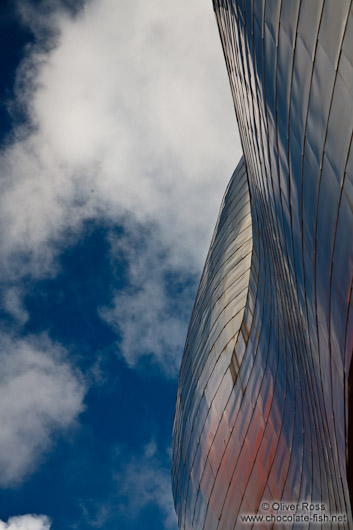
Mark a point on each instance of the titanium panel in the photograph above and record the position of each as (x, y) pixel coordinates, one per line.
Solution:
(262, 404)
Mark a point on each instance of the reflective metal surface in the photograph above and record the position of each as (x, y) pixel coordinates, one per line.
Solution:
(261, 411)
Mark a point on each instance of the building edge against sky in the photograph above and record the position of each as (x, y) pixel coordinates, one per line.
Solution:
(263, 402)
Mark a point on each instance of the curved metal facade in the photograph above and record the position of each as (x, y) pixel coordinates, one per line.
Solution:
(262, 411)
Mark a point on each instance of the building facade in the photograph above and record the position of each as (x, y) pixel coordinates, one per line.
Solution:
(263, 405)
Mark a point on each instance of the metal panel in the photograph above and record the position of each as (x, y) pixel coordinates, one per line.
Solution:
(261, 408)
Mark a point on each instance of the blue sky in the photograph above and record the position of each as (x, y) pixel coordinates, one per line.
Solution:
(117, 141)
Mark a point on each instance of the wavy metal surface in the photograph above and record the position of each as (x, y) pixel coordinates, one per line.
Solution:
(262, 401)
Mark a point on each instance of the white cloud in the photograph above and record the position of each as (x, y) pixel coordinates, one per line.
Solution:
(26, 522)
(150, 319)
(140, 480)
(143, 482)
(13, 304)
(40, 396)
(130, 118)
(129, 104)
